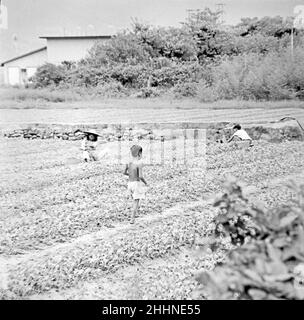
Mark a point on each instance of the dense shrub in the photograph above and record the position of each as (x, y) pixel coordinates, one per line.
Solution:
(176, 74)
(205, 92)
(86, 76)
(268, 26)
(268, 247)
(49, 74)
(149, 92)
(256, 43)
(202, 59)
(170, 43)
(111, 89)
(185, 89)
(134, 76)
(123, 48)
(273, 76)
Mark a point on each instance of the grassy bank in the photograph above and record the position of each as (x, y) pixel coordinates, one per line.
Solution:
(14, 98)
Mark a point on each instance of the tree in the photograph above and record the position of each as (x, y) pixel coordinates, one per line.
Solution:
(172, 43)
(49, 74)
(268, 26)
(211, 38)
(123, 48)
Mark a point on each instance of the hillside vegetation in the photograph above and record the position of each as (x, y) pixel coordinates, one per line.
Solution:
(202, 59)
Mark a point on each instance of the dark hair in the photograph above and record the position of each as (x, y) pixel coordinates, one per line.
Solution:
(92, 134)
(237, 127)
(136, 150)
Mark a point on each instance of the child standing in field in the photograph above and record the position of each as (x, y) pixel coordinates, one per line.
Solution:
(137, 184)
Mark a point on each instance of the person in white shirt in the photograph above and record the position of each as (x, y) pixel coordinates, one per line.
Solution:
(240, 135)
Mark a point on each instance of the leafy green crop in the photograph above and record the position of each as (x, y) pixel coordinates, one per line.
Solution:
(269, 244)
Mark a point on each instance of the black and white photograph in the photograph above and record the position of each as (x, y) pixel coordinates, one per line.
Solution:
(152, 150)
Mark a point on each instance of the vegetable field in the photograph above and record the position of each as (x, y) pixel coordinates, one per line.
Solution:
(136, 112)
(64, 225)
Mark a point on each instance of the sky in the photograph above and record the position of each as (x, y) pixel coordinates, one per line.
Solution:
(29, 19)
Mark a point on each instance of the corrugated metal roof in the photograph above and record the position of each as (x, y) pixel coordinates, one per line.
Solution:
(23, 55)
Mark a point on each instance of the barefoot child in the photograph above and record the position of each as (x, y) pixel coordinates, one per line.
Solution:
(137, 183)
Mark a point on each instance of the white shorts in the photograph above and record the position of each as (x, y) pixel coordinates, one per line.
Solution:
(137, 190)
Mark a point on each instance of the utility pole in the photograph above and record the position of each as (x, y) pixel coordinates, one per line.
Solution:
(291, 41)
(3, 16)
(220, 9)
(193, 13)
(298, 24)
(196, 14)
(15, 43)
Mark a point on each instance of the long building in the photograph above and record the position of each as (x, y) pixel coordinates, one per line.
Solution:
(18, 70)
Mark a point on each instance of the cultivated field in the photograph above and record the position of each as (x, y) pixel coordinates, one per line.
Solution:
(65, 229)
(14, 117)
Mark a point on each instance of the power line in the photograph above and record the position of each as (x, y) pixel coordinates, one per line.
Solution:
(193, 13)
(196, 13)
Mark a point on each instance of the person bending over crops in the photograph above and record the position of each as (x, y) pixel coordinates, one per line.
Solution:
(240, 135)
(89, 147)
(137, 184)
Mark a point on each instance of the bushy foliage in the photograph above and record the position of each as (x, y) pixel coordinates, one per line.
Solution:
(273, 76)
(171, 43)
(175, 74)
(86, 76)
(206, 92)
(111, 89)
(185, 89)
(49, 74)
(269, 245)
(149, 92)
(211, 40)
(203, 58)
(269, 26)
(256, 43)
(123, 48)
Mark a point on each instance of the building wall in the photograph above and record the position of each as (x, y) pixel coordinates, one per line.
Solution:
(32, 60)
(69, 49)
(18, 71)
(2, 69)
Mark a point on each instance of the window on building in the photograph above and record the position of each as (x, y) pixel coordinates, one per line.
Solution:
(23, 76)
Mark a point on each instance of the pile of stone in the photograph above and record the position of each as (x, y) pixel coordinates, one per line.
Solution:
(215, 133)
(106, 135)
(35, 133)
